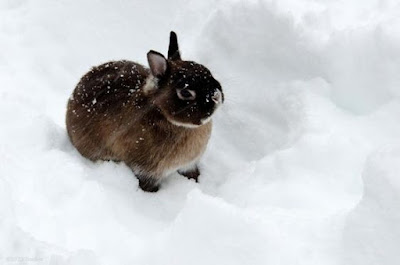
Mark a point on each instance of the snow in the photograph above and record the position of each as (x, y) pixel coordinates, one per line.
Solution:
(302, 166)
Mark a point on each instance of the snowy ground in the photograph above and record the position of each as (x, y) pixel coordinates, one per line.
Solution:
(303, 165)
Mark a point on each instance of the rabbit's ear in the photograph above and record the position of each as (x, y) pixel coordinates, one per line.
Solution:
(173, 50)
(157, 63)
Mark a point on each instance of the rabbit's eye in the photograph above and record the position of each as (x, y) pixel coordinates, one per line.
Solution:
(186, 94)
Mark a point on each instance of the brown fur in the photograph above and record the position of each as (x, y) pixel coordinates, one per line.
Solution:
(111, 116)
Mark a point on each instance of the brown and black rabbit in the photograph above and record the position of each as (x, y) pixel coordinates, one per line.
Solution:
(157, 121)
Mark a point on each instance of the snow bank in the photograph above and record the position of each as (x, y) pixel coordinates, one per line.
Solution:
(372, 230)
(301, 168)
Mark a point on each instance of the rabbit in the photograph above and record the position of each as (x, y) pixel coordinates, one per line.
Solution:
(156, 120)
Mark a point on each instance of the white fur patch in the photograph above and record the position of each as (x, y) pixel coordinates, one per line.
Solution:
(217, 97)
(190, 125)
(204, 121)
(150, 85)
(187, 125)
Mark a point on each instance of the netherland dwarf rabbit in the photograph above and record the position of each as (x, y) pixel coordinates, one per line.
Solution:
(157, 120)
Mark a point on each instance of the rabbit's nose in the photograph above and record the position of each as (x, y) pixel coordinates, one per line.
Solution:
(217, 98)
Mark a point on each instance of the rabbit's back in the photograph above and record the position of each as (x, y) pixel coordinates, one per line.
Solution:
(108, 85)
(99, 104)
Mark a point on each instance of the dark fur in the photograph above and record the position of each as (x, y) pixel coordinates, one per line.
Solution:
(111, 116)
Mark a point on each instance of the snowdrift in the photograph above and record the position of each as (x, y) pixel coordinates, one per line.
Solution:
(302, 167)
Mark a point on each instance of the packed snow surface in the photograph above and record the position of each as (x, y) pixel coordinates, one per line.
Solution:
(304, 161)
